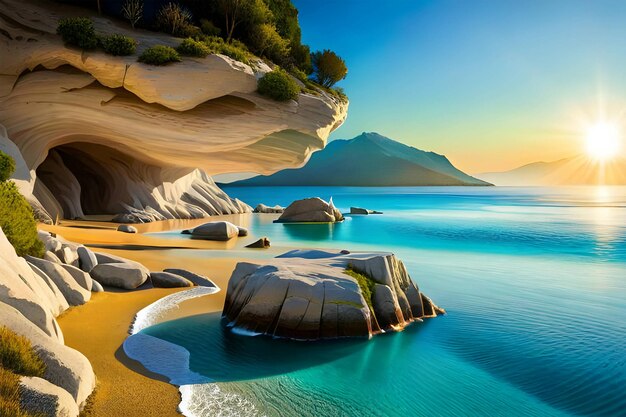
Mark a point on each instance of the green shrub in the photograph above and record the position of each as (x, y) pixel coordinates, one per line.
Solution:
(78, 31)
(279, 86)
(365, 283)
(189, 47)
(235, 50)
(298, 73)
(208, 28)
(7, 166)
(18, 221)
(159, 55)
(18, 356)
(118, 45)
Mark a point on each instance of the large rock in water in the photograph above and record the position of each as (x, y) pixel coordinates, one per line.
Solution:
(311, 210)
(217, 231)
(307, 295)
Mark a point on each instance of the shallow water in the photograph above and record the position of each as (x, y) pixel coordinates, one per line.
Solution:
(534, 282)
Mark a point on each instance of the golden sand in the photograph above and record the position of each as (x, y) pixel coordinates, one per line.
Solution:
(98, 328)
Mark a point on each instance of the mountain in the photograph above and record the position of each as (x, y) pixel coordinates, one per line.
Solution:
(369, 159)
(578, 170)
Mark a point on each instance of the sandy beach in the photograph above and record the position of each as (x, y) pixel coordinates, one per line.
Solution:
(99, 328)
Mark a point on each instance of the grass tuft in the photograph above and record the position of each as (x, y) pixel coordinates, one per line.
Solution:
(365, 283)
(18, 356)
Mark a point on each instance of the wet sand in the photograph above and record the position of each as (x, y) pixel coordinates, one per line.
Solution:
(99, 328)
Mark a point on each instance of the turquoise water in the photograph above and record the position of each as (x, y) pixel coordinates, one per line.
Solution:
(534, 282)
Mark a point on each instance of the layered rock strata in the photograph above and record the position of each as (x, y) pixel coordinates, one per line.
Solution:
(108, 135)
(307, 295)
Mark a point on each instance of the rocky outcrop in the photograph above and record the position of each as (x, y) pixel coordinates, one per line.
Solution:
(108, 135)
(311, 210)
(307, 295)
(360, 210)
(73, 292)
(262, 208)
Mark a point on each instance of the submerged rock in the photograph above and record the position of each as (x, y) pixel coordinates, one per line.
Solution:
(309, 295)
(359, 210)
(311, 210)
(262, 208)
(262, 243)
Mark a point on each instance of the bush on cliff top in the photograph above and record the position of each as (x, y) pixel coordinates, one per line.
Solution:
(278, 85)
(190, 47)
(79, 32)
(159, 55)
(119, 45)
(18, 221)
(7, 166)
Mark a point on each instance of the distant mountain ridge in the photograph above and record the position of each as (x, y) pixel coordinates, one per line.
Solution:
(577, 170)
(369, 159)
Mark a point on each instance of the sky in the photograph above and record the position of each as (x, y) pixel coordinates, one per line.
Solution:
(490, 84)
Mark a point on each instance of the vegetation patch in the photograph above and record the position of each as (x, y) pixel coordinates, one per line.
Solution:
(79, 32)
(119, 45)
(159, 55)
(18, 356)
(17, 219)
(366, 284)
(279, 86)
(190, 47)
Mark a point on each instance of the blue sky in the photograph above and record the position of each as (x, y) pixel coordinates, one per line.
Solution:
(490, 84)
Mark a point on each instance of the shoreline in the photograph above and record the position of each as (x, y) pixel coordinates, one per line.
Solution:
(99, 328)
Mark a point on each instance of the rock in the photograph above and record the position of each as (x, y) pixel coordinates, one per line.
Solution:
(86, 259)
(119, 275)
(40, 397)
(126, 228)
(169, 280)
(24, 290)
(242, 231)
(49, 256)
(310, 210)
(57, 297)
(154, 129)
(96, 287)
(65, 367)
(262, 243)
(262, 208)
(199, 280)
(215, 231)
(359, 210)
(107, 258)
(82, 278)
(68, 254)
(185, 232)
(72, 291)
(307, 295)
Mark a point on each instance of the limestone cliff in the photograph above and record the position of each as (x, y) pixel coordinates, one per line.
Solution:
(103, 134)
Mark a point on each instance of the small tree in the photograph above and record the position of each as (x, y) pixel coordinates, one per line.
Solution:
(328, 68)
(236, 12)
(7, 166)
(172, 18)
(265, 40)
(133, 11)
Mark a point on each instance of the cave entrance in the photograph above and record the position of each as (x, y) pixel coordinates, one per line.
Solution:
(85, 179)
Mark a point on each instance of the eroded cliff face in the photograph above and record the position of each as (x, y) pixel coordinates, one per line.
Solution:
(107, 135)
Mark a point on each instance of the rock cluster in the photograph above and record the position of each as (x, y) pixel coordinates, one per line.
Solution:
(262, 208)
(310, 210)
(307, 295)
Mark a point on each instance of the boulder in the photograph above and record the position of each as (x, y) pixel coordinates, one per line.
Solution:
(126, 228)
(119, 275)
(42, 398)
(169, 280)
(262, 243)
(50, 256)
(359, 210)
(199, 280)
(242, 231)
(86, 258)
(310, 210)
(97, 287)
(71, 290)
(58, 299)
(82, 278)
(68, 254)
(107, 258)
(307, 295)
(215, 231)
(65, 367)
(262, 208)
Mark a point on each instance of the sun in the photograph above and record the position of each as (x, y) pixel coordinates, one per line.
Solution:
(603, 141)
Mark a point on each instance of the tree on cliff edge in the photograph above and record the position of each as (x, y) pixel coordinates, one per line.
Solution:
(328, 68)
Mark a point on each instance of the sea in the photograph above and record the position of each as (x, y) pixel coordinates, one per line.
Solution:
(533, 281)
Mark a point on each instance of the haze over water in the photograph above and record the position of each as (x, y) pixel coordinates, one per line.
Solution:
(533, 280)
